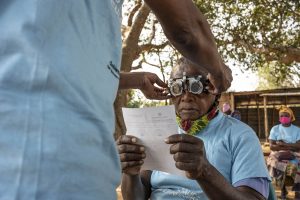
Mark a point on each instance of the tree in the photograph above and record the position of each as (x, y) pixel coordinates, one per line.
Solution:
(269, 78)
(256, 34)
(140, 41)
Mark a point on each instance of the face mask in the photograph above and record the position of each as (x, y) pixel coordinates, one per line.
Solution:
(194, 127)
(285, 120)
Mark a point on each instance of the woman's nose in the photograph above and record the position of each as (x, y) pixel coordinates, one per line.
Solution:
(186, 96)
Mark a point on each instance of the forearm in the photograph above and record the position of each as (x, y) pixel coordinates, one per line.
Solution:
(131, 80)
(217, 187)
(275, 147)
(188, 30)
(294, 147)
(132, 187)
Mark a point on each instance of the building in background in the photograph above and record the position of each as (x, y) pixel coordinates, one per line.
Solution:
(259, 108)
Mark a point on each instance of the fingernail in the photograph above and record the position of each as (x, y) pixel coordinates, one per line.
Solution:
(133, 140)
(167, 140)
(142, 148)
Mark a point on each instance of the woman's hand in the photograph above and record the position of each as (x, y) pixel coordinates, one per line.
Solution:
(154, 88)
(281, 145)
(189, 155)
(131, 154)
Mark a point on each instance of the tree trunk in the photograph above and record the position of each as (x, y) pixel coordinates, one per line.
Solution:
(130, 52)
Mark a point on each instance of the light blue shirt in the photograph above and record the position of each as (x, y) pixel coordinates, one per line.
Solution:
(58, 80)
(231, 147)
(289, 134)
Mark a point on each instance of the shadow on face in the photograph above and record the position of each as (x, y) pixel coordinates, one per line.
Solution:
(190, 106)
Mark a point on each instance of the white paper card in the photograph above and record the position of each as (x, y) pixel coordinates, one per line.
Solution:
(152, 126)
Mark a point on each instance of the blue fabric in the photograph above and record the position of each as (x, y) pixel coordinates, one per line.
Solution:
(58, 81)
(171, 187)
(261, 185)
(231, 147)
(289, 134)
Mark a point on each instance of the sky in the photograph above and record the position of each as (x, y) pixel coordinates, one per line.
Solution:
(243, 81)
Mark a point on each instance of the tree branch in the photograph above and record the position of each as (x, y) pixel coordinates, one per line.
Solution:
(132, 13)
(282, 54)
(149, 47)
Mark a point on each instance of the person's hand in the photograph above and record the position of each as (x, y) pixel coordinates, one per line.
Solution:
(220, 83)
(281, 143)
(189, 154)
(131, 154)
(152, 91)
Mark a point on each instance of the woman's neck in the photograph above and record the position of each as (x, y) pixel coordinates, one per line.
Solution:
(287, 125)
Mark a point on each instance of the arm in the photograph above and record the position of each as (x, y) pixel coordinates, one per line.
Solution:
(188, 30)
(280, 145)
(216, 187)
(189, 155)
(274, 146)
(145, 81)
(288, 146)
(294, 146)
(135, 184)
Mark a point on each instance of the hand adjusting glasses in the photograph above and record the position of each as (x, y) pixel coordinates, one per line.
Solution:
(195, 85)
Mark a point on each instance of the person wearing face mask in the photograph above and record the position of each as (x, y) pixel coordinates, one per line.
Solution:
(283, 162)
(221, 156)
(226, 108)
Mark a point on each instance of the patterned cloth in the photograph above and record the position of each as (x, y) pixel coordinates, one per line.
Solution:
(285, 171)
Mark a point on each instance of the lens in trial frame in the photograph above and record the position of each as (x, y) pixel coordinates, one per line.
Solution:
(195, 87)
(176, 88)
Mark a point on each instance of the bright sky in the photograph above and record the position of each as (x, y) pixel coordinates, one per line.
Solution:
(243, 81)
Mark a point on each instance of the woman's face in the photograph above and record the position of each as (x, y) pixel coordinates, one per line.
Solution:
(191, 106)
(284, 114)
(285, 118)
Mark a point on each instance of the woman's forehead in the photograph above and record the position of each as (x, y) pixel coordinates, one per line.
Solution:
(177, 72)
(284, 113)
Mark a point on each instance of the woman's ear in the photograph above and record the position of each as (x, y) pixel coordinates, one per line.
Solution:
(210, 88)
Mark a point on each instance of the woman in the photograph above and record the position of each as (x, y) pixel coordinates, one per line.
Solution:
(283, 162)
(221, 156)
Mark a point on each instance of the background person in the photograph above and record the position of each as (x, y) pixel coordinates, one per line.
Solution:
(236, 114)
(283, 161)
(226, 108)
(221, 157)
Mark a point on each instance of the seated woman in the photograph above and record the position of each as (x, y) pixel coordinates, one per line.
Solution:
(283, 162)
(221, 156)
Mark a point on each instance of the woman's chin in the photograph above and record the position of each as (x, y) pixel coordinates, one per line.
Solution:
(186, 117)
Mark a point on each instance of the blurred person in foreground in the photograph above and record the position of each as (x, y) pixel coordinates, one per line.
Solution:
(221, 156)
(60, 72)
